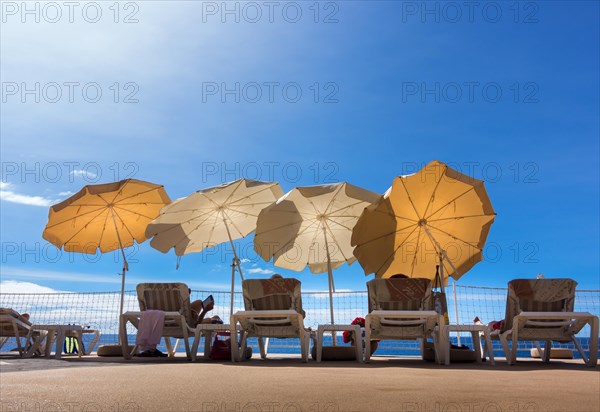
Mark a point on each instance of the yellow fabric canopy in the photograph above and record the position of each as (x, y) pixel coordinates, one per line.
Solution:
(437, 211)
(105, 216)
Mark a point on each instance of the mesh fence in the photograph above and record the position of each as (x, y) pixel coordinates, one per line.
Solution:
(99, 310)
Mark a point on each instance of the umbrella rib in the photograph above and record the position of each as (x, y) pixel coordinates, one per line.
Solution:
(281, 226)
(134, 195)
(457, 217)
(291, 240)
(123, 222)
(233, 223)
(135, 213)
(337, 192)
(396, 250)
(454, 237)
(412, 266)
(409, 198)
(385, 235)
(433, 193)
(103, 231)
(336, 241)
(233, 192)
(453, 200)
(198, 227)
(83, 227)
(313, 241)
(253, 194)
(100, 208)
(341, 225)
(345, 207)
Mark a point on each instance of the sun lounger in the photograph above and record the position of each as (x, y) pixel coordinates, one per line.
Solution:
(174, 300)
(399, 309)
(273, 310)
(542, 310)
(13, 325)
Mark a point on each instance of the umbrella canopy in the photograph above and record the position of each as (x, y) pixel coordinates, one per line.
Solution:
(105, 217)
(436, 215)
(312, 226)
(212, 216)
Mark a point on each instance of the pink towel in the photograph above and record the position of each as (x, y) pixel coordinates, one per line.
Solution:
(150, 328)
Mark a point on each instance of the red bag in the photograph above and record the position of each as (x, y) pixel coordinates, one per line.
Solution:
(221, 347)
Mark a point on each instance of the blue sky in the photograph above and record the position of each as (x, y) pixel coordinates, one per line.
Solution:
(511, 98)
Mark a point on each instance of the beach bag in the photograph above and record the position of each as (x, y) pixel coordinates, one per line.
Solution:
(71, 346)
(440, 303)
(221, 347)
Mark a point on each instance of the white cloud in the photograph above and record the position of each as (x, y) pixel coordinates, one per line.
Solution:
(83, 173)
(244, 260)
(8, 194)
(260, 271)
(67, 193)
(13, 286)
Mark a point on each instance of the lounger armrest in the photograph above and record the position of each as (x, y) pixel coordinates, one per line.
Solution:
(404, 314)
(266, 313)
(555, 315)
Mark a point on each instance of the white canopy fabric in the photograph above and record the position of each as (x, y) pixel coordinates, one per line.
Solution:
(212, 216)
(312, 226)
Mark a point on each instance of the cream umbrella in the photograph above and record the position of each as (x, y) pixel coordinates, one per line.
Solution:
(436, 216)
(212, 216)
(105, 217)
(312, 226)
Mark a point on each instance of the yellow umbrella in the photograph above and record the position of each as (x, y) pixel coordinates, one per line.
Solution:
(436, 216)
(311, 226)
(105, 217)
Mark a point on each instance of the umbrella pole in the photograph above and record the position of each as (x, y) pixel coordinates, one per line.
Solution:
(125, 269)
(125, 264)
(331, 285)
(442, 255)
(235, 262)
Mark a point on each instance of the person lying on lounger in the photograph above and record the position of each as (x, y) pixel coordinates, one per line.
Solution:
(201, 307)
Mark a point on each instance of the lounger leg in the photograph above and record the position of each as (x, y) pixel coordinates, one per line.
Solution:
(304, 346)
(359, 344)
(197, 335)
(477, 346)
(234, 339)
(18, 339)
(488, 347)
(367, 340)
(169, 346)
(123, 336)
(320, 331)
(593, 360)
(547, 351)
(208, 337)
(92, 345)
(504, 342)
(241, 351)
(60, 341)
(261, 346)
(580, 350)
(515, 345)
(80, 342)
(186, 343)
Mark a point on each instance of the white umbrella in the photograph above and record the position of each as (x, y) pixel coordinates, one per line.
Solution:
(212, 216)
(312, 226)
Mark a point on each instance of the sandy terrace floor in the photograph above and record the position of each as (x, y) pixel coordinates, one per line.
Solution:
(286, 384)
